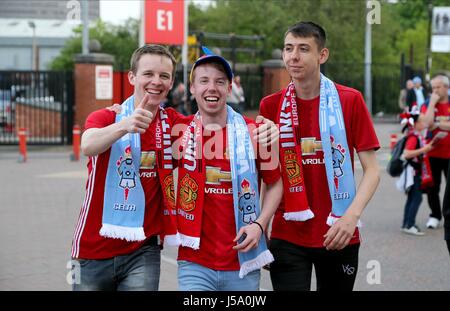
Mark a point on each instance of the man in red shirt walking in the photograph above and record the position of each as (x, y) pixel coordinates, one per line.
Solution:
(437, 118)
(321, 124)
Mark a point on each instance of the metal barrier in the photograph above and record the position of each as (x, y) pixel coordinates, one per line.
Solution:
(41, 102)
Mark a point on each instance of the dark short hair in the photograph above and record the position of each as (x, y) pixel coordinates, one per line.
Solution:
(308, 29)
(154, 49)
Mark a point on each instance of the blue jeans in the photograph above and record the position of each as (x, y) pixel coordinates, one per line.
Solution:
(139, 270)
(195, 277)
(412, 203)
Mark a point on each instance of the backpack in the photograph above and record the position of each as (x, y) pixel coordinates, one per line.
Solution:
(397, 163)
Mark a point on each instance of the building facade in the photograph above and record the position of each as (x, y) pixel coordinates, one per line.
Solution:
(46, 9)
(43, 24)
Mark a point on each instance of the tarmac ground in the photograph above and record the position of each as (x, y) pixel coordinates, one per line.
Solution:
(41, 199)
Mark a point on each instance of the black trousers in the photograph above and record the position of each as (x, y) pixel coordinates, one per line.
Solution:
(446, 210)
(448, 245)
(438, 166)
(292, 268)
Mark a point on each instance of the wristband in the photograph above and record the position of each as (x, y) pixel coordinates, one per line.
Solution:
(259, 225)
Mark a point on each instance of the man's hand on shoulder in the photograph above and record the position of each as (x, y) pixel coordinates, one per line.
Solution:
(267, 133)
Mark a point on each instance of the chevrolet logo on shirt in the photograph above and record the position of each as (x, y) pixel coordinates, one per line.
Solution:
(310, 146)
(214, 176)
(148, 159)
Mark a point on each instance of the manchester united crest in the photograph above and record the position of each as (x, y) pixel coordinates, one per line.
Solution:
(169, 190)
(292, 167)
(188, 193)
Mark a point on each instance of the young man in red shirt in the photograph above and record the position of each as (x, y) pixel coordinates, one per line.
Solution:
(111, 249)
(321, 123)
(116, 244)
(437, 118)
(219, 218)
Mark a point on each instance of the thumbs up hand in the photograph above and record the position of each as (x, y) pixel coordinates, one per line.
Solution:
(141, 118)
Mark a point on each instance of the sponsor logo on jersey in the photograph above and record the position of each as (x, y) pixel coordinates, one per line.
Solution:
(148, 160)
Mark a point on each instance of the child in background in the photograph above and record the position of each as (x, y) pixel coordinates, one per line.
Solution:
(416, 154)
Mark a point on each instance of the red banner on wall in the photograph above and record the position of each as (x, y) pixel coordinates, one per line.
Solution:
(164, 21)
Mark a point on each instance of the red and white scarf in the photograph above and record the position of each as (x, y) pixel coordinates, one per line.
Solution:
(191, 185)
(296, 201)
(426, 176)
(164, 162)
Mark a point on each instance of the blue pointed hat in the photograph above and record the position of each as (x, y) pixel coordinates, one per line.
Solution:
(210, 57)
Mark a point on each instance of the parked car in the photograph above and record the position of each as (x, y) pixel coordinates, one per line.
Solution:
(6, 111)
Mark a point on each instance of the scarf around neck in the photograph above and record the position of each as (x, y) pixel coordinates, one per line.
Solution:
(124, 197)
(191, 183)
(338, 167)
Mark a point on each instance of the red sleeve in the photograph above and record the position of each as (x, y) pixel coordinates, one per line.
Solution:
(263, 109)
(268, 106)
(173, 115)
(362, 130)
(99, 119)
(411, 143)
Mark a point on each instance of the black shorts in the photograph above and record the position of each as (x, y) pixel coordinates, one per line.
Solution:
(292, 269)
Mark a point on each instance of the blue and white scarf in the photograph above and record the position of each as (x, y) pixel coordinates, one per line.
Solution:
(124, 198)
(244, 176)
(339, 172)
(191, 180)
(341, 182)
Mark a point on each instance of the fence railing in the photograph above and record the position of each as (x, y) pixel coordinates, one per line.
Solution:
(39, 101)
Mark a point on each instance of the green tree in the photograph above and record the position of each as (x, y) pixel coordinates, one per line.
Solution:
(119, 41)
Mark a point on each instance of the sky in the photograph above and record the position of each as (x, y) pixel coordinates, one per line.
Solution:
(117, 11)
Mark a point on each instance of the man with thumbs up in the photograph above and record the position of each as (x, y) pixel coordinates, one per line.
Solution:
(129, 200)
(116, 244)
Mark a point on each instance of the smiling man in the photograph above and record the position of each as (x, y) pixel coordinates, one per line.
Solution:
(116, 244)
(321, 124)
(220, 222)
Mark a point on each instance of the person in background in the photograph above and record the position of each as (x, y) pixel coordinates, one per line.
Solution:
(236, 98)
(403, 94)
(436, 116)
(416, 96)
(418, 168)
(178, 101)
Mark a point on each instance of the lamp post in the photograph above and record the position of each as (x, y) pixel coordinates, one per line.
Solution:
(34, 47)
(85, 18)
(368, 62)
(429, 59)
